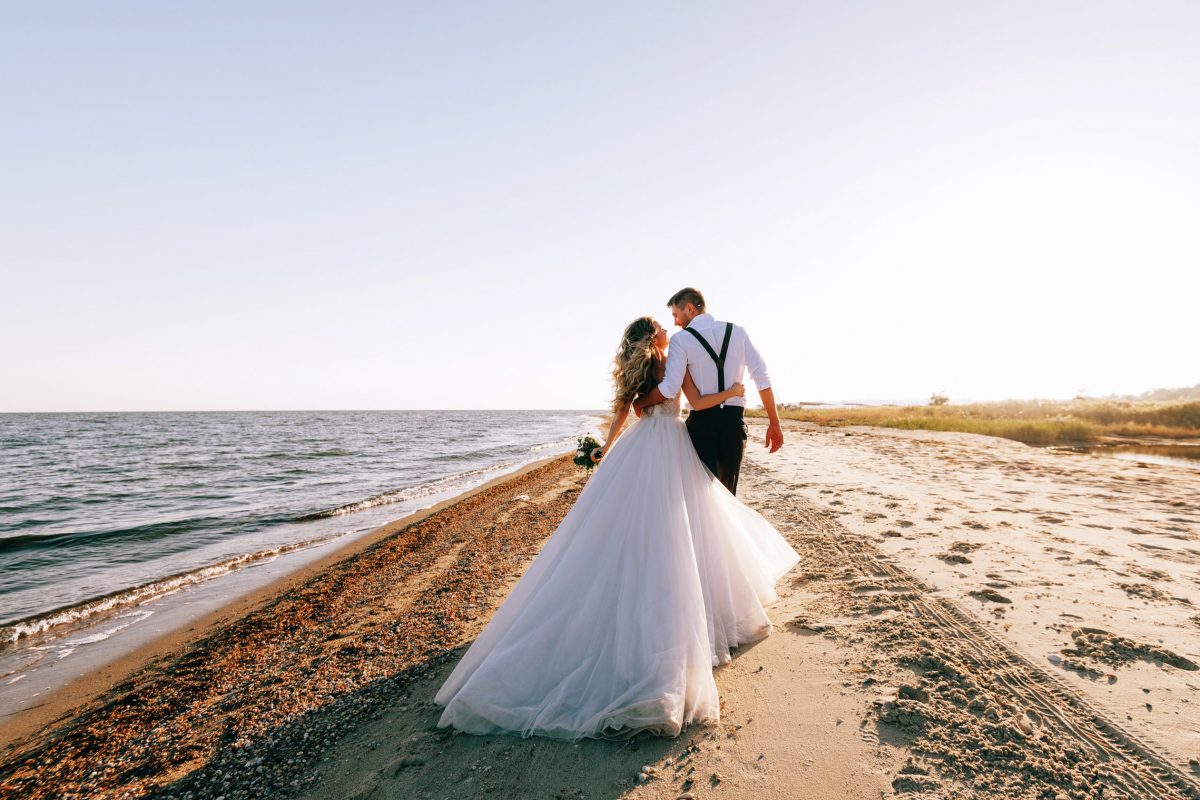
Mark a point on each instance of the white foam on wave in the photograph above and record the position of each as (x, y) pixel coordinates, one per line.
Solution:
(460, 481)
(100, 636)
(71, 616)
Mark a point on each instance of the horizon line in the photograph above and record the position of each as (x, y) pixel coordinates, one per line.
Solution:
(757, 406)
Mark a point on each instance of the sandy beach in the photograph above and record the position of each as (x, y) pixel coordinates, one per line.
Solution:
(971, 618)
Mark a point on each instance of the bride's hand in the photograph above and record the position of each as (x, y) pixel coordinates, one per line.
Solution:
(737, 390)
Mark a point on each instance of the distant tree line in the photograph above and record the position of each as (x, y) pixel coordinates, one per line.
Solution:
(1186, 393)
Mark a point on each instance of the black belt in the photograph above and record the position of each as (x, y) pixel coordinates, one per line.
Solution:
(725, 411)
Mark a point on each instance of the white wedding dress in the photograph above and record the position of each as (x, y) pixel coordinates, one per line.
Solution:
(654, 574)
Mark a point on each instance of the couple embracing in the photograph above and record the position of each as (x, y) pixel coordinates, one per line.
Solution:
(657, 571)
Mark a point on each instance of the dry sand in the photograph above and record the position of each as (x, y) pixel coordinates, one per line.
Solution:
(1085, 565)
(896, 666)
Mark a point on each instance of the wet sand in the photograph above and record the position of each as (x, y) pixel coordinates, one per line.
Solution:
(942, 636)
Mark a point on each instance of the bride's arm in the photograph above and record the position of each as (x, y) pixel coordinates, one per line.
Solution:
(699, 402)
(614, 430)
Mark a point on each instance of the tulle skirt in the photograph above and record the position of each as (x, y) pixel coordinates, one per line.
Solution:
(652, 577)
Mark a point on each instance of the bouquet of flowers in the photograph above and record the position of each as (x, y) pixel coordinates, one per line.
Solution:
(588, 454)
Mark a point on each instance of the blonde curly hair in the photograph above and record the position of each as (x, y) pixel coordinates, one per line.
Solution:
(633, 366)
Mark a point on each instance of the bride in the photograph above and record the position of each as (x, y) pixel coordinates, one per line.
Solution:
(650, 579)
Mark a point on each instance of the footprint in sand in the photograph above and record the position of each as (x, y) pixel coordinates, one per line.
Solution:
(811, 575)
(989, 595)
(957, 552)
(1148, 573)
(1120, 651)
(1145, 591)
(1182, 555)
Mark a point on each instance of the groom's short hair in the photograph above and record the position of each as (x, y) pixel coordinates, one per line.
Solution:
(685, 296)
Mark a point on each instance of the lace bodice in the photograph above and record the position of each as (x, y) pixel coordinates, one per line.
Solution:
(667, 408)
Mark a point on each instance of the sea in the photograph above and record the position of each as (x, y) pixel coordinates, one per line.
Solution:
(116, 528)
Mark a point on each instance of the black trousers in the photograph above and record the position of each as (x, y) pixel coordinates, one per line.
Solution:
(719, 436)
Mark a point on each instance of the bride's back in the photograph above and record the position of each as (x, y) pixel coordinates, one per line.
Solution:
(669, 407)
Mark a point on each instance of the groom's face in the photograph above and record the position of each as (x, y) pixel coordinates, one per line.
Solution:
(680, 316)
(683, 314)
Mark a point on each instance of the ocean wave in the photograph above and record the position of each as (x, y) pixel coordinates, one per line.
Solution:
(469, 455)
(335, 451)
(332, 452)
(149, 532)
(428, 489)
(563, 444)
(86, 611)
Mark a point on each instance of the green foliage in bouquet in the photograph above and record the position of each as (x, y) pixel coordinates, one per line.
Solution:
(584, 454)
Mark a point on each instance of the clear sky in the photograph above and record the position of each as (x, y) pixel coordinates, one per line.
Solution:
(331, 205)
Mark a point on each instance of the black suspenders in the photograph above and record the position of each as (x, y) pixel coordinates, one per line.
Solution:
(720, 359)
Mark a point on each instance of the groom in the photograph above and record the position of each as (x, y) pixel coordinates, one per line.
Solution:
(715, 354)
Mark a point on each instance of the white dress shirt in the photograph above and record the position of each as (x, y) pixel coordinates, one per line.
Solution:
(688, 355)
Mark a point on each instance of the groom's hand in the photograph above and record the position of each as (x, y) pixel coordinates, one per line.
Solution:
(653, 397)
(774, 436)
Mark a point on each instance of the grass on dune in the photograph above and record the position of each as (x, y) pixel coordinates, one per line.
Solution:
(1038, 422)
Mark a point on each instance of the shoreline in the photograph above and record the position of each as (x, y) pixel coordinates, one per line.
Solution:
(87, 687)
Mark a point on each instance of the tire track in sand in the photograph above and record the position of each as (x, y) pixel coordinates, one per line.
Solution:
(932, 636)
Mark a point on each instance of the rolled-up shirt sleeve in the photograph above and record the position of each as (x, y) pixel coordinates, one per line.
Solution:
(754, 362)
(676, 366)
